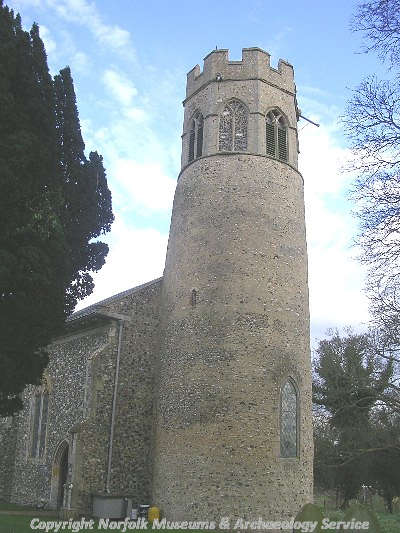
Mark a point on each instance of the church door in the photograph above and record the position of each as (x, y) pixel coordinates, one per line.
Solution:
(63, 475)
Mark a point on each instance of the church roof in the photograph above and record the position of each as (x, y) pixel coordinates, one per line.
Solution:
(97, 307)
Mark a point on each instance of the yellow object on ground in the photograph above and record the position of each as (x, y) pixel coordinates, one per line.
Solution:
(154, 512)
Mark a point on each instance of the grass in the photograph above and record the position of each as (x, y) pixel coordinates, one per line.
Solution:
(13, 507)
(15, 524)
(390, 523)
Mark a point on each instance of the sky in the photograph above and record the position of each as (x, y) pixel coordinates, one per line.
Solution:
(129, 60)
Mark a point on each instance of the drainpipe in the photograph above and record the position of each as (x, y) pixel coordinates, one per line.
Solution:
(114, 406)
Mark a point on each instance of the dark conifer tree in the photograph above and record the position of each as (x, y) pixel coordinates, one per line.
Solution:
(87, 210)
(350, 383)
(53, 202)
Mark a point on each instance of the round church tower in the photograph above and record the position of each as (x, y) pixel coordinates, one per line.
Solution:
(233, 432)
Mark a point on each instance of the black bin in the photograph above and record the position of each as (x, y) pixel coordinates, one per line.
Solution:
(143, 511)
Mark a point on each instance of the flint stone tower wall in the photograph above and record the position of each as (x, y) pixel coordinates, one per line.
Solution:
(235, 316)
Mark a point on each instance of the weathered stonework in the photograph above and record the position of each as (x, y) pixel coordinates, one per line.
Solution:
(224, 361)
(7, 457)
(170, 393)
(237, 238)
(81, 379)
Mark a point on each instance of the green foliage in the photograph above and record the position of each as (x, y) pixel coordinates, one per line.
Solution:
(350, 379)
(350, 382)
(384, 472)
(360, 513)
(86, 210)
(53, 203)
(389, 523)
(325, 452)
(309, 513)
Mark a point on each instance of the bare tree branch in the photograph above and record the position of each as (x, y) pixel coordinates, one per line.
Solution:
(379, 21)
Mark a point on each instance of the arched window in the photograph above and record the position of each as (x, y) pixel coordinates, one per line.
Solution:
(233, 128)
(196, 137)
(289, 420)
(276, 135)
(40, 407)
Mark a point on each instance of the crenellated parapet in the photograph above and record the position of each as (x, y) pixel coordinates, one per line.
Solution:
(258, 90)
(255, 64)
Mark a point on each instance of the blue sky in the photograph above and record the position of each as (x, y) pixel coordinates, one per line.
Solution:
(129, 61)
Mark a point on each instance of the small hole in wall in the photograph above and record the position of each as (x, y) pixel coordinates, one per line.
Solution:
(194, 297)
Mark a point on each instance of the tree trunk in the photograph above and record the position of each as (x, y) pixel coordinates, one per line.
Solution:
(388, 497)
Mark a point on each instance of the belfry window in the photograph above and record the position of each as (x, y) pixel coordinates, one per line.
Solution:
(40, 407)
(196, 137)
(233, 128)
(276, 135)
(289, 420)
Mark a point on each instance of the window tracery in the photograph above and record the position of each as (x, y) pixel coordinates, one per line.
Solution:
(233, 128)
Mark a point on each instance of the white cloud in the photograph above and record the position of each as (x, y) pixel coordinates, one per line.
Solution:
(313, 91)
(47, 39)
(336, 279)
(321, 159)
(120, 87)
(135, 257)
(17, 4)
(86, 14)
(136, 114)
(80, 62)
(144, 184)
(274, 45)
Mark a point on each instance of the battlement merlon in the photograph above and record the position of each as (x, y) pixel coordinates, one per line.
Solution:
(255, 64)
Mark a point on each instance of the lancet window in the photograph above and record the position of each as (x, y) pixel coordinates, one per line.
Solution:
(276, 135)
(233, 127)
(289, 420)
(40, 407)
(196, 137)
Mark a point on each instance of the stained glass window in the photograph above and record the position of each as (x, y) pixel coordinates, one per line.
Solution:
(289, 420)
(276, 135)
(233, 128)
(196, 137)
